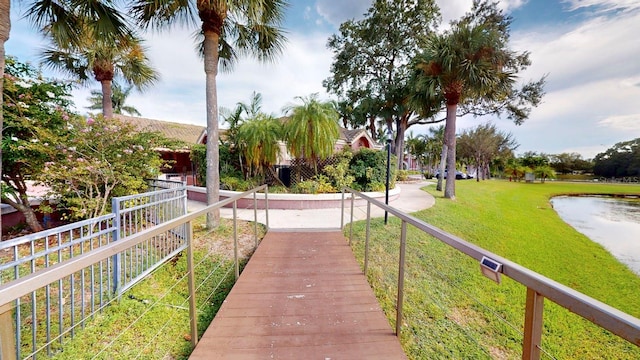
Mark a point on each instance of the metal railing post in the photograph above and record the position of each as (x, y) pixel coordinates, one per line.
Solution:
(351, 223)
(235, 239)
(193, 309)
(266, 205)
(366, 239)
(342, 212)
(117, 274)
(255, 219)
(533, 325)
(400, 301)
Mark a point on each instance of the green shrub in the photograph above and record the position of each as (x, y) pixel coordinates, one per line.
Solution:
(198, 157)
(304, 187)
(233, 183)
(229, 163)
(369, 168)
(402, 175)
(323, 185)
(339, 174)
(318, 185)
(278, 189)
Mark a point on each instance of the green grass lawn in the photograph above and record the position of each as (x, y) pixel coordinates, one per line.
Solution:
(151, 320)
(452, 311)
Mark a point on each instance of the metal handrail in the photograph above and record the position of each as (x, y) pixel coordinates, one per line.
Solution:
(538, 286)
(15, 289)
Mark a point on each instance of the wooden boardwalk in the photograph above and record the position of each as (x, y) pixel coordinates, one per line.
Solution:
(301, 296)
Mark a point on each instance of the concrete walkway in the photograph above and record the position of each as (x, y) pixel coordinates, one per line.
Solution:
(411, 199)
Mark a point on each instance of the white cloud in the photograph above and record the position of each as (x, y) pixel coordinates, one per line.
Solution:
(180, 95)
(592, 92)
(622, 122)
(336, 12)
(597, 49)
(604, 5)
(455, 9)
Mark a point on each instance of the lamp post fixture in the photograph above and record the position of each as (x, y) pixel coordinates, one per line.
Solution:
(386, 195)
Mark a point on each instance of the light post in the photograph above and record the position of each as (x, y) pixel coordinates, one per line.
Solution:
(386, 195)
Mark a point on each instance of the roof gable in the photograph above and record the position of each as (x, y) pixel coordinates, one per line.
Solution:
(188, 133)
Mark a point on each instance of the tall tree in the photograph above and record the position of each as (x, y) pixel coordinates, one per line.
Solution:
(482, 144)
(370, 72)
(229, 28)
(36, 114)
(620, 160)
(312, 129)
(471, 66)
(566, 163)
(103, 59)
(119, 97)
(58, 17)
(5, 26)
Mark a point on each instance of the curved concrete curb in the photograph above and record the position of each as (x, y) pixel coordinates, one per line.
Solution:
(290, 201)
(410, 199)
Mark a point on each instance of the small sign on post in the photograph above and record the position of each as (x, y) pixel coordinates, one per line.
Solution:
(529, 177)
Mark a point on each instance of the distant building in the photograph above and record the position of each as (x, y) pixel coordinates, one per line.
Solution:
(180, 162)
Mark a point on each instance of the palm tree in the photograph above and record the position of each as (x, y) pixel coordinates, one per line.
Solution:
(516, 170)
(312, 129)
(118, 99)
(234, 119)
(258, 141)
(58, 17)
(103, 59)
(544, 172)
(463, 64)
(229, 28)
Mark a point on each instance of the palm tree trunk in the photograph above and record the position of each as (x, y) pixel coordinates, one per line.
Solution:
(107, 105)
(443, 162)
(450, 141)
(211, 40)
(401, 127)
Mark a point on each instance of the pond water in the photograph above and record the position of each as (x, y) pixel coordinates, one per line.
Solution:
(611, 222)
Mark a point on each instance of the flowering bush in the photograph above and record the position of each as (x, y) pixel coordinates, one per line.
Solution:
(98, 159)
(35, 109)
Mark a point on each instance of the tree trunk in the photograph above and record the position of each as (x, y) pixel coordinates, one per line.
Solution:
(372, 128)
(5, 27)
(443, 162)
(401, 128)
(107, 93)
(450, 141)
(211, 41)
(25, 208)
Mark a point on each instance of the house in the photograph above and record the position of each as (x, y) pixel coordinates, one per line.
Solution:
(178, 160)
(356, 139)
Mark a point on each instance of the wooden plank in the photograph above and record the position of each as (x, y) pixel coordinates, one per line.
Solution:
(302, 295)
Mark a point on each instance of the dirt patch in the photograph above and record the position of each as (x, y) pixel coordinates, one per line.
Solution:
(221, 242)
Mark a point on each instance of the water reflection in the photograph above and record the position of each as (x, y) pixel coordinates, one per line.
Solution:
(612, 222)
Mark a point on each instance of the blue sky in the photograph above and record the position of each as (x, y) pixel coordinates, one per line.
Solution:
(589, 49)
